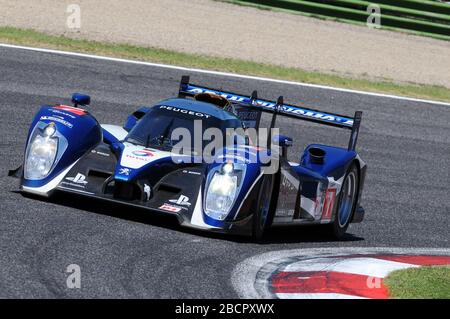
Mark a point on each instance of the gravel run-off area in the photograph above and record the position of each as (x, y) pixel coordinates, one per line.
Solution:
(227, 30)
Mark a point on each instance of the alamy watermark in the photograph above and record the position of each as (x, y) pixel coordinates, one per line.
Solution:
(374, 19)
(74, 278)
(73, 21)
(214, 145)
(374, 282)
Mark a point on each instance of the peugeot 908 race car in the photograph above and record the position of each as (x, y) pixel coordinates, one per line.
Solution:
(234, 191)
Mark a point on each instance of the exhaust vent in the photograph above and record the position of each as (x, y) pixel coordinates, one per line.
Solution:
(316, 155)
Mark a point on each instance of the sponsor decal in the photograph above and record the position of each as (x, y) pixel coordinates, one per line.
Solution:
(250, 117)
(170, 208)
(135, 157)
(124, 171)
(53, 110)
(57, 119)
(329, 204)
(144, 152)
(100, 153)
(271, 105)
(176, 109)
(191, 172)
(71, 109)
(288, 195)
(182, 200)
(78, 180)
(138, 158)
(141, 154)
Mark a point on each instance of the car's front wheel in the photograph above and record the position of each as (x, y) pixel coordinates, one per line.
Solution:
(262, 215)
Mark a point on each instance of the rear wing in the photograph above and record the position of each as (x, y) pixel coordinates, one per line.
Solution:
(279, 108)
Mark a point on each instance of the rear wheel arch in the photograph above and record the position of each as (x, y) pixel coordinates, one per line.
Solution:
(336, 228)
(356, 163)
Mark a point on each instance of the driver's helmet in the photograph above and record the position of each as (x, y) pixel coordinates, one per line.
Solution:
(212, 98)
(216, 99)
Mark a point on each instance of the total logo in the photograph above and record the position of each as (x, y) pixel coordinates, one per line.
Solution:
(144, 153)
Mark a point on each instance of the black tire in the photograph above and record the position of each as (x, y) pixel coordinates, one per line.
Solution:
(262, 215)
(346, 203)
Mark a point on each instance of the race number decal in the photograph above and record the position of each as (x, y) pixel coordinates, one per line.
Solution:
(329, 204)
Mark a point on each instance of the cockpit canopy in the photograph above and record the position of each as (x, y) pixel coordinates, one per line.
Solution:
(170, 121)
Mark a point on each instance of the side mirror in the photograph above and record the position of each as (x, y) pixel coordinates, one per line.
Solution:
(135, 117)
(80, 99)
(284, 142)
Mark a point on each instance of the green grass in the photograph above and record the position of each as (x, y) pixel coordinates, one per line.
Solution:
(38, 39)
(424, 283)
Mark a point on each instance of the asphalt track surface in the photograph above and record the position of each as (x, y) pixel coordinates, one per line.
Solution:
(129, 253)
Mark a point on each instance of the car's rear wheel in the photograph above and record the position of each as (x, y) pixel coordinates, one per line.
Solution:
(346, 203)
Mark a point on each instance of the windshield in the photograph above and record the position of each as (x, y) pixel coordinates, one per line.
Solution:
(156, 127)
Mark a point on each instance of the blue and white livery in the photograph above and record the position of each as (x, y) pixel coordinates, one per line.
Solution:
(231, 190)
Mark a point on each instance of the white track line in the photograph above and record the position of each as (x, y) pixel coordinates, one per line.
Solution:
(241, 76)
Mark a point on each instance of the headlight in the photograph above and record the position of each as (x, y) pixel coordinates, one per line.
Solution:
(41, 152)
(221, 192)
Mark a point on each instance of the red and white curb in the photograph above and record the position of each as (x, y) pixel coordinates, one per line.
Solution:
(331, 273)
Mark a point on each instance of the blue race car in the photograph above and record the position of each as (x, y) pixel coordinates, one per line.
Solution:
(240, 188)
